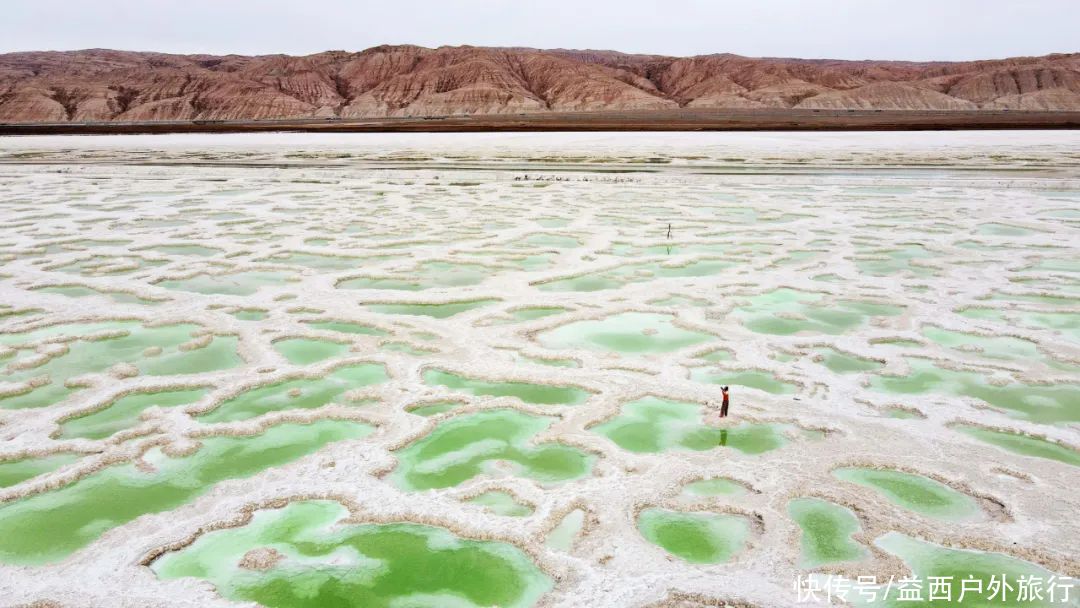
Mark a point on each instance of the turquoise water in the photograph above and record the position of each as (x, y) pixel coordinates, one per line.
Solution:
(328, 562)
(47, 527)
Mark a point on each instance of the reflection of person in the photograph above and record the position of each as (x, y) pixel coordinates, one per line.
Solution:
(724, 405)
(723, 436)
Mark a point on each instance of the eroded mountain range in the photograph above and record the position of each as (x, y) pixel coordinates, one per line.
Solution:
(103, 85)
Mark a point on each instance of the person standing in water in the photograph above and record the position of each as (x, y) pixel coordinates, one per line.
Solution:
(724, 405)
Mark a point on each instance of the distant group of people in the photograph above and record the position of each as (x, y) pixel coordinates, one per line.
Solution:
(567, 178)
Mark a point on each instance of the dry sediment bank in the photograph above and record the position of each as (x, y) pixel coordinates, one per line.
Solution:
(667, 120)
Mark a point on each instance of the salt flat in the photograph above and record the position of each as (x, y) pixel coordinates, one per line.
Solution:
(474, 370)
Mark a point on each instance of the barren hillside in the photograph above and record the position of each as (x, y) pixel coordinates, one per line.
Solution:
(97, 85)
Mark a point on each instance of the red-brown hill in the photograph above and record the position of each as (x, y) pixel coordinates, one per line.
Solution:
(97, 85)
